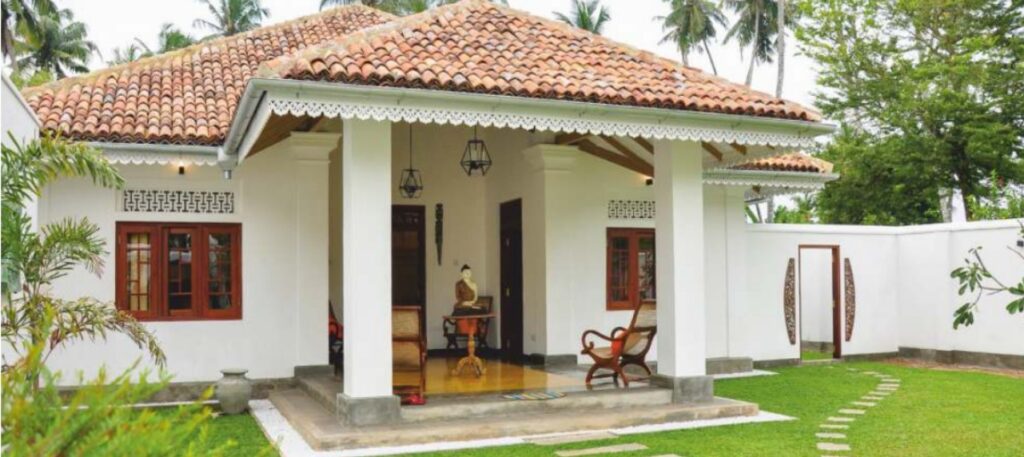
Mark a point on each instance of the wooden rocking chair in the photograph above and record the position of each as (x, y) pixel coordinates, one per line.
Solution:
(627, 346)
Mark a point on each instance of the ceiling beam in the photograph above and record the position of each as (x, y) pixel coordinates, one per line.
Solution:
(638, 166)
(621, 148)
(645, 144)
(712, 150)
(569, 138)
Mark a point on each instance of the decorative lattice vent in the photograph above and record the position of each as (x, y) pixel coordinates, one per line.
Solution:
(631, 209)
(177, 201)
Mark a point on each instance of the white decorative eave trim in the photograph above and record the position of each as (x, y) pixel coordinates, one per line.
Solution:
(157, 154)
(347, 101)
(788, 180)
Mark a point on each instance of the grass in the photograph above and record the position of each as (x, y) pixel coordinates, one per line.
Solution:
(815, 355)
(934, 413)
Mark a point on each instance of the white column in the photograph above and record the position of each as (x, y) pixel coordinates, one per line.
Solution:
(310, 151)
(736, 260)
(679, 232)
(366, 259)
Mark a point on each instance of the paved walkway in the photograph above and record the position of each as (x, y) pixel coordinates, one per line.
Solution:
(831, 436)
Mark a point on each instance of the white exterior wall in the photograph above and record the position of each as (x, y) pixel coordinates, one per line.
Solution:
(267, 340)
(905, 297)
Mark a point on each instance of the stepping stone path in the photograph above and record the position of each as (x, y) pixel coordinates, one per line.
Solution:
(631, 447)
(832, 441)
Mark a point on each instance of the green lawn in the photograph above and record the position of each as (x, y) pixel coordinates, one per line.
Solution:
(815, 355)
(934, 413)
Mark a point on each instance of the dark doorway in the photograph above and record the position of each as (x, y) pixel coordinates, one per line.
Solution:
(820, 270)
(408, 256)
(511, 222)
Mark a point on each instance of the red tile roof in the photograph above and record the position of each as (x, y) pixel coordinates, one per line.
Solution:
(477, 46)
(189, 96)
(186, 96)
(797, 161)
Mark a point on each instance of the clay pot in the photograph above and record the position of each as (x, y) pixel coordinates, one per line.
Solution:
(234, 391)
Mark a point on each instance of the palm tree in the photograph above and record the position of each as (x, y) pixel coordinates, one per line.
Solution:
(754, 28)
(232, 16)
(33, 259)
(781, 45)
(21, 17)
(169, 39)
(58, 46)
(690, 24)
(129, 53)
(586, 15)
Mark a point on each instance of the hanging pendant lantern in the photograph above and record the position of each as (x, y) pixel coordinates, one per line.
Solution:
(475, 157)
(411, 183)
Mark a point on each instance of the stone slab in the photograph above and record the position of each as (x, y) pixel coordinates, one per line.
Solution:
(833, 447)
(872, 398)
(858, 412)
(631, 447)
(835, 426)
(831, 435)
(840, 419)
(864, 403)
(573, 438)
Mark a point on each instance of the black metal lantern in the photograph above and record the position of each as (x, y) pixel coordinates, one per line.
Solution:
(411, 183)
(475, 157)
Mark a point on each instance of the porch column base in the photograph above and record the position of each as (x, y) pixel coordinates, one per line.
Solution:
(687, 389)
(369, 410)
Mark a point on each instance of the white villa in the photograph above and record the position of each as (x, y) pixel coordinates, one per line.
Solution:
(263, 179)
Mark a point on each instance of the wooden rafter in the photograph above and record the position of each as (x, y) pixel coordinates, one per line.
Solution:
(645, 144)
(280, 127)
(621, 148)
(739, 148)
(570, 138)
(638, 166)
(711, 149)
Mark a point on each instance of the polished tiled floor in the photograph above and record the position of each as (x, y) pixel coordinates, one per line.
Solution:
(503, 376)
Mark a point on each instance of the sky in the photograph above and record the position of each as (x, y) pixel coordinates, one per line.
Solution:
(116, 23)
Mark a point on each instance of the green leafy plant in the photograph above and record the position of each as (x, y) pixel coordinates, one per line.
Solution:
(96, 419)
(976, 281)
(33, 259)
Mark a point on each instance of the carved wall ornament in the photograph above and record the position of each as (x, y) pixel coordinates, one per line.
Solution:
(789, 300)
(631, 209)
(177, 201)
(850, 292)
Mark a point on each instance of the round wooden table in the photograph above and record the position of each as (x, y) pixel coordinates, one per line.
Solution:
(468, 324)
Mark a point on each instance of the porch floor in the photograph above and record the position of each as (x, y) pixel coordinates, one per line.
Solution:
(469, 408)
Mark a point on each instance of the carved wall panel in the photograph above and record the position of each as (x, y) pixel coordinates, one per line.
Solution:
(789, 300)
(851, 297)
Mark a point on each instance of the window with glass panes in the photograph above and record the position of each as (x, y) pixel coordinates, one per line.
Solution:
(169, 271)
(630, 267)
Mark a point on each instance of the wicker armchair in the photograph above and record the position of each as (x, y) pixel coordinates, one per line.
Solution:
(626, 346)
(409, 354)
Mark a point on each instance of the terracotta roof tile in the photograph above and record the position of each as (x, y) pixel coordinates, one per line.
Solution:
(186, 96)
(189, 96)
(476, 46)
(797, 161)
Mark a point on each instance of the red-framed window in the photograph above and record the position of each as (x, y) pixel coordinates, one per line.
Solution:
(630, 267)
(179, 271)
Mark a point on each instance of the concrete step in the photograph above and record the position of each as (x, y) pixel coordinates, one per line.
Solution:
(309, 417)
(443, 409)
(323, 388)
(323, 431)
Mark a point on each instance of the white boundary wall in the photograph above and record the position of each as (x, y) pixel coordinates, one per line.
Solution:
(905, 296)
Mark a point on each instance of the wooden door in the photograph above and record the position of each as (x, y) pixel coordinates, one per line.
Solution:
(837, 308)
(408, 256)
(511, 237)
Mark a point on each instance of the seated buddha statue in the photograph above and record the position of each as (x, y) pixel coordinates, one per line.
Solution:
(466, 294)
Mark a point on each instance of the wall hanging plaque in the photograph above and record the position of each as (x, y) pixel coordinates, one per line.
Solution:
(789, 300)
(439, 229)
(851, 297)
